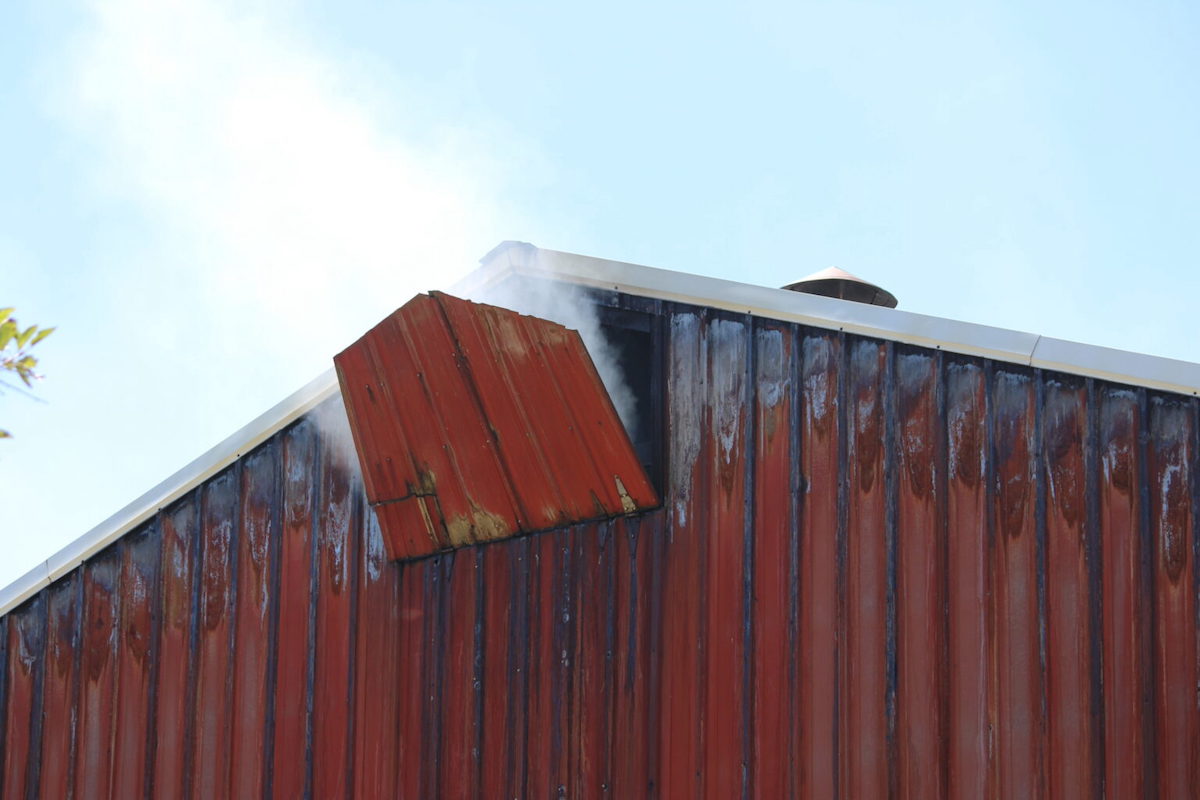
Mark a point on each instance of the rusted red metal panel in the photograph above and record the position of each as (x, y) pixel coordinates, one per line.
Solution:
(634, 734)
(411, 658)
(724, 529)
(337, 558)
(1072, 672)
(969, 715)
(1019, 745)
(378, 660)
(921, 673)
(499, 631)
(864, 757)
(258, 534)
(59, 706)
(683, 569)
(460, 675)
(820, 563)
(291, 766)
(98, 676)
(477, 423)
(1170, 462)
(25, 636)
(173, 723)
(213, 711)
(1126, 600)
(774, 484)
(138, 582)
(588, 767)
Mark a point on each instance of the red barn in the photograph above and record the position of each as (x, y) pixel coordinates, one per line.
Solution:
(836, 550)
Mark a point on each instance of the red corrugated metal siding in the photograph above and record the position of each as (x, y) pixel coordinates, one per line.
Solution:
(474, 423)
(878, 570)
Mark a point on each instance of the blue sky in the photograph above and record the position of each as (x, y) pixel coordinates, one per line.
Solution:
(210, 199)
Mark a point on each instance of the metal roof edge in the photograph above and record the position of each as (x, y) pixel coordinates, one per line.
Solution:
(968, 338)
(168, 491)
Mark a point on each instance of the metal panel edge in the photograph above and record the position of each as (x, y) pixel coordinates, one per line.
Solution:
(143, 508)
(1120, 366)
(903, 326)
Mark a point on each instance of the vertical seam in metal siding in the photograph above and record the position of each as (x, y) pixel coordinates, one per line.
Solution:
(33, 768)
(941, 489)
(749, 457)
(891, 516)
(991, 477)
(274, 553)
(843, 512)
(477, 658)
(1194, 413)
(796, 500)
(77, 680)
(608, 540)
(189, 728)
(355, 543)
(231, 603)
(314, 587)
(1041, 533)
(1147, 661)
(155, 600)
(5, 623)
(1095, 554)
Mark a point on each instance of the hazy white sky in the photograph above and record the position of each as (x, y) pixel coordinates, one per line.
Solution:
(211, 198)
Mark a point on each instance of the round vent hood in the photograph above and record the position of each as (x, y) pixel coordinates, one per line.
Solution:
(834, 282)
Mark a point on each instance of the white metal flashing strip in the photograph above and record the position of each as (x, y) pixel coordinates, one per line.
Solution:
(519, 258)
(824, 312)
(243, 441)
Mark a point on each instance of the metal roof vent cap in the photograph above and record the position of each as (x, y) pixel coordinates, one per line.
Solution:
(834, 282)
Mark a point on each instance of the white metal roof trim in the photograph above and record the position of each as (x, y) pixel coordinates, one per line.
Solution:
(168, 491)
(904, 326)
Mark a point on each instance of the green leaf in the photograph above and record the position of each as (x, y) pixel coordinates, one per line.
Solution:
(7, 331)
(42, 334)
(23, 339)
(5, 313)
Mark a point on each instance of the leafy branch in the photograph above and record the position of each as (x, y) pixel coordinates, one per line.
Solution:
(15, 345)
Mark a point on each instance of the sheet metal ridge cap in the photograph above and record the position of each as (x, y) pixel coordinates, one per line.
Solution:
(823, 312)
(168, 491)
(1121, 366)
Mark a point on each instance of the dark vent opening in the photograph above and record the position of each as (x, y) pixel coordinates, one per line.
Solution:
(635, 344)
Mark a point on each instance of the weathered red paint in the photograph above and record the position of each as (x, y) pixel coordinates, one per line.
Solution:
(1126, 604)
(58, 701)
(865, 761)
(98, 684)
(137, 580)
(774, 537)
(1073, 758)
(969, 715)
(879, 570)
(920, 728)
(1017, 679)
(1170, 459)
(474, 423)
(258, 529)
(820, 564)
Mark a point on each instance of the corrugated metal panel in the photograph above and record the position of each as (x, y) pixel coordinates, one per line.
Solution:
(474, 423)
(879, 569)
